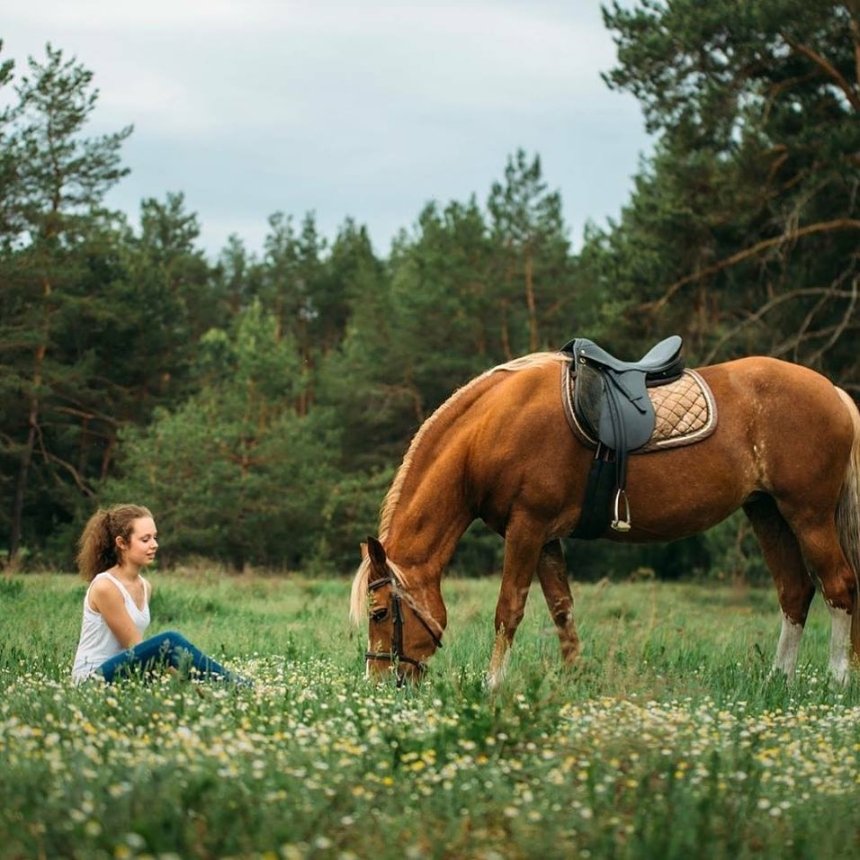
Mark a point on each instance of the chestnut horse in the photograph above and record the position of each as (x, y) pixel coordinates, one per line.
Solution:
(786, 450)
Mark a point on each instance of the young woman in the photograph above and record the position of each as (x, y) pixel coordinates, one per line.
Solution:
(116, 544)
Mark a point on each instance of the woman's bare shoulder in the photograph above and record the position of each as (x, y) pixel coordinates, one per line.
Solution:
(103, 587)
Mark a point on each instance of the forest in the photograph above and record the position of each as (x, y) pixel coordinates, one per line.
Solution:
(260, 404)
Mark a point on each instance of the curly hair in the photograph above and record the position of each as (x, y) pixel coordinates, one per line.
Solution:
(97, 549)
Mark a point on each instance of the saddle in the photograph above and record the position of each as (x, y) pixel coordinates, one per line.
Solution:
(612, 405)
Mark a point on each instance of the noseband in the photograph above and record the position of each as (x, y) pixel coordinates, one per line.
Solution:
(396, 654)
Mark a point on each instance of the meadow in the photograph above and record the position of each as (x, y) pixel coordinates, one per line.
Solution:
(667, 740)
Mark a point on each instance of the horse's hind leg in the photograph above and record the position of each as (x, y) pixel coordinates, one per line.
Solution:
(823, 553)
(552, 574)
(819, 543)
(794, 586)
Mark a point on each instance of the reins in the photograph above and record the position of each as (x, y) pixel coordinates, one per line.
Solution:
(396, 654)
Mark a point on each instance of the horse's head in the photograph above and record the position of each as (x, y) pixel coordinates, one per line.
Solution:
(403, 632)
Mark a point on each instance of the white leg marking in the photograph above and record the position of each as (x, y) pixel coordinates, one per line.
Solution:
(498, 663)
(785, 660)
(840, 643)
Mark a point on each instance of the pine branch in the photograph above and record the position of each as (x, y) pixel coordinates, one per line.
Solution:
(824, 292)
(843, 324)
(828, 68)
(746, 253)
(79, 480)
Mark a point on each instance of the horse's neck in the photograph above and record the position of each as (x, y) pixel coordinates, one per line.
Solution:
(428, 508)
(429, 521)
(431, 510)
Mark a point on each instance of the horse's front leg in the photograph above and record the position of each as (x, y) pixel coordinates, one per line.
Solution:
(522, 552)
(552, 573)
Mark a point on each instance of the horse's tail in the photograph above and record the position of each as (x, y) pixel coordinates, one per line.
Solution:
(848, 518)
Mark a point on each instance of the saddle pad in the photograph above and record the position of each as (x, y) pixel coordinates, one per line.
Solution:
(685, 411)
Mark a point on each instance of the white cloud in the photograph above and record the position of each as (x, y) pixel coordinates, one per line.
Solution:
(110, 16)
(364, 108)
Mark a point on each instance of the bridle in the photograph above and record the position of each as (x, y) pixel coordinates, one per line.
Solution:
(396, 654)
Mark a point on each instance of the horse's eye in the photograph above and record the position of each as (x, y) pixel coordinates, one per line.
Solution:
(379, 614)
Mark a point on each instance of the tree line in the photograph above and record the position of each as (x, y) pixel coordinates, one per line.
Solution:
(260, 403)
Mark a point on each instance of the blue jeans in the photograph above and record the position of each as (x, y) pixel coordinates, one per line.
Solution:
(166, 649)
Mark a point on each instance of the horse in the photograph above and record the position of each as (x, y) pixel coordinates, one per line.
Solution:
(786, 449)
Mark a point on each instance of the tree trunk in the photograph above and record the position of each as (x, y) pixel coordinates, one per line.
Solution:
(530, 302)
(33, 416)
(26, 459)
(506, 340)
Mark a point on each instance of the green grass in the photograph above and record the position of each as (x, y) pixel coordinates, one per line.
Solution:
(668, 739)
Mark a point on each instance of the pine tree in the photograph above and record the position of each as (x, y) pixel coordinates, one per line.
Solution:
(54, 204)
(532, 255)
(743, 232)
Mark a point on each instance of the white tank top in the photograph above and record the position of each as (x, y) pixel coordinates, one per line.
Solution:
(97, 642)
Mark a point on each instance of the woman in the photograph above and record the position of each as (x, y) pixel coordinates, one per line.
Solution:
(116, 544)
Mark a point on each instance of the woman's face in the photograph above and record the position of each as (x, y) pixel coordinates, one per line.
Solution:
(142, 545)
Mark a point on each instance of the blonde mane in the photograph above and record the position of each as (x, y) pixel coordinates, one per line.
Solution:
(392, 497)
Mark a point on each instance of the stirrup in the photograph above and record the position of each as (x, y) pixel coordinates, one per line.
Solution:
(617, 523)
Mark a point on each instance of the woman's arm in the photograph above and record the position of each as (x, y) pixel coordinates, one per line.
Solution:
(106, 599)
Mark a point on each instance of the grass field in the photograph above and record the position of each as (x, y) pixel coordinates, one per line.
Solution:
(668, 740)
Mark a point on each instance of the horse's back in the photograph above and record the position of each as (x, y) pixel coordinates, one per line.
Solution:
(790, 419)
(764, 389)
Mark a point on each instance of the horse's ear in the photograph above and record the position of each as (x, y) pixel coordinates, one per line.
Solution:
(363, 546)
(376, 553)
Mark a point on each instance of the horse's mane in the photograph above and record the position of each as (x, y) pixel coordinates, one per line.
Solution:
(392, 497)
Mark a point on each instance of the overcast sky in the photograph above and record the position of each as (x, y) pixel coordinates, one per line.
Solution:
(367, 109)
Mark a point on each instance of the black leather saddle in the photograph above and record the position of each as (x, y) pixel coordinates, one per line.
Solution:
(660, 362)
(612, 405)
